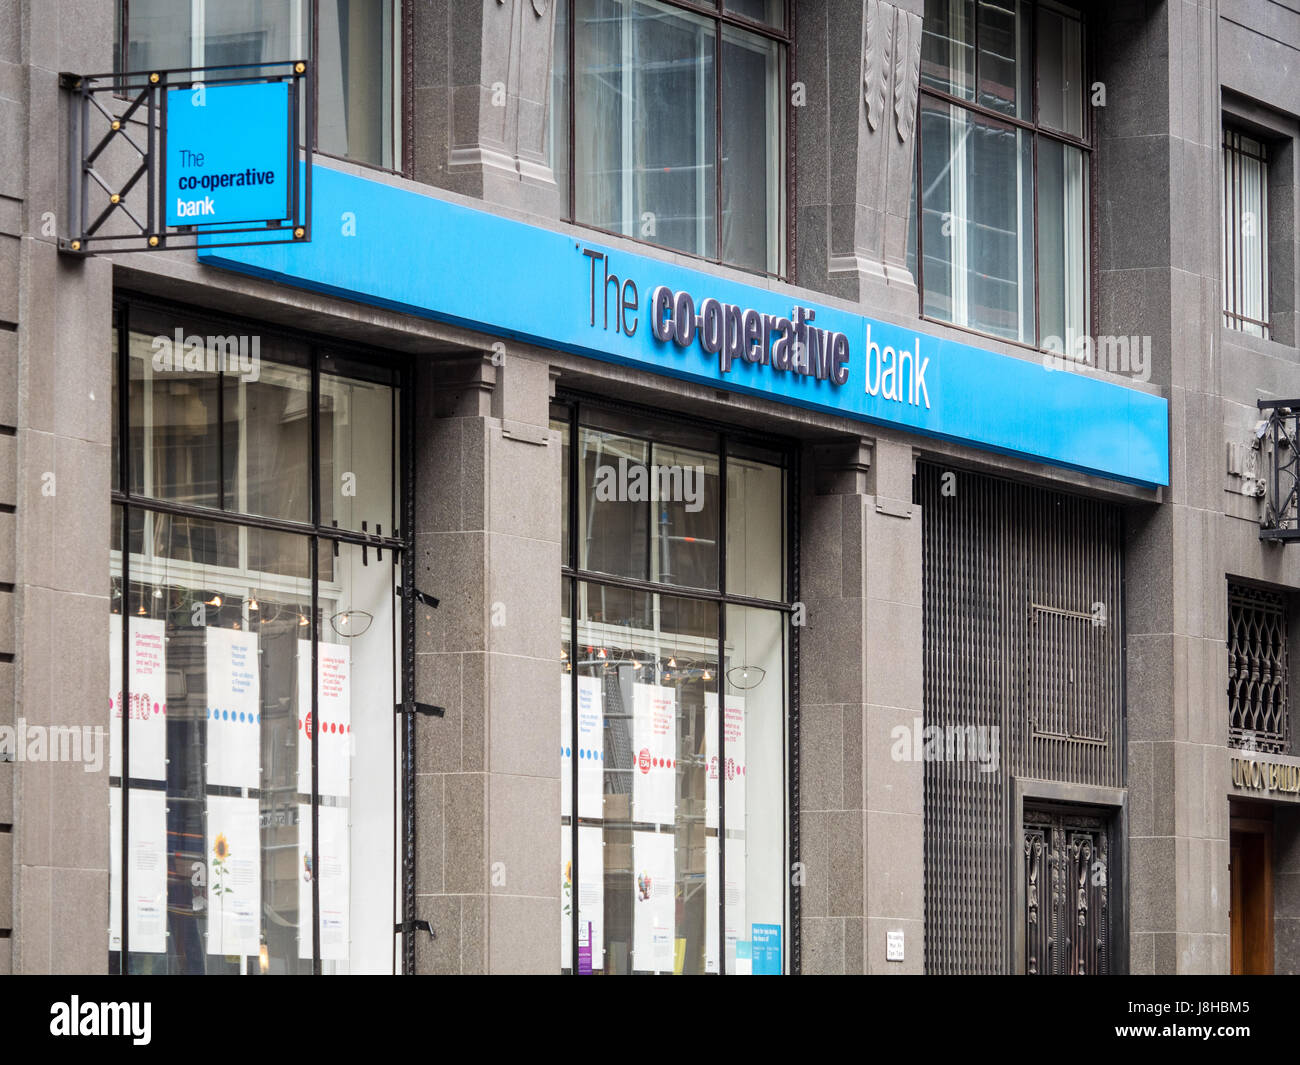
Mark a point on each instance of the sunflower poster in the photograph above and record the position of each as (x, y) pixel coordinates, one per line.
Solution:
(234, 876)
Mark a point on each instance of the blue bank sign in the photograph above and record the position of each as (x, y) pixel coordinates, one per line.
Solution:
(416, 253)
(230, 154)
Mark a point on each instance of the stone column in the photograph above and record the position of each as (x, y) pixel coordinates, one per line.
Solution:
(488, 546)
(1158, 276)
(859, 65)
(861, 820)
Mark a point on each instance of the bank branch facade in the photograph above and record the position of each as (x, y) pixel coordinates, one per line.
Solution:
(658, 488)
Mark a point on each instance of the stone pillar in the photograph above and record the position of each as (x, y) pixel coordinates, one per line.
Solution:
(859, 64)
(1158, 147)
(482, 83)
(55, 422)
(861, 820)
(488, 546)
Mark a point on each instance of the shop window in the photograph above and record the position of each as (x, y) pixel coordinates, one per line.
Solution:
(674, 700)
(1258, 718)
(678, 136)
(1003, 170)
(252, 745)
(357, 54)
(1245, 233)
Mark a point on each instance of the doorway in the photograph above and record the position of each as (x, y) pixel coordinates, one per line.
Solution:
(1251, 875)
(1066, 855)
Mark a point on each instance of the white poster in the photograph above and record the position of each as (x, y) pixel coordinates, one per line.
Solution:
(148, 709)
(147, 919)
(335, 703)
(590, 752)
(735, 896)
(234, 708)
(332, 873)
(654, 753)
(591, 898)
(234, 876)
(732, 768)
(653, 901)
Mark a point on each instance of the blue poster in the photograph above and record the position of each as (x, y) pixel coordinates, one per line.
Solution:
(228, 154)
(767, 949)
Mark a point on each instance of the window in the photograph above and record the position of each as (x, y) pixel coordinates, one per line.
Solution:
(252, 754)
(1245, 233)
(1258, 718)
(356, 44)
(1003, 170)
(674, 699)
(678, 134)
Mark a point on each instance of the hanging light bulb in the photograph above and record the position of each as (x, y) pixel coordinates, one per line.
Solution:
(252, 606)
(564, 655)
(214, 601)
(302, 621)
(707, 675)
(672, 662)
(157, 593)
(142, 610)
(601, 653)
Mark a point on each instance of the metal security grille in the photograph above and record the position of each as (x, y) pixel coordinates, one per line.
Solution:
(1022, 634)
(1257, 670)
(1066, 859)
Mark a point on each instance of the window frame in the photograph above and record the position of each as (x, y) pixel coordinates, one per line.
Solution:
(721, 17)
(123, 503)
(575, 403)
(1032, 126)
(402, 61)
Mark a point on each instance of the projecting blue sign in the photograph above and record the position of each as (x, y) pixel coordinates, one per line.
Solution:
(422, 255)
(229, 154)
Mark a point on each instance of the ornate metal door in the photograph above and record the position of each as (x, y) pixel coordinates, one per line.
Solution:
(1067, 928)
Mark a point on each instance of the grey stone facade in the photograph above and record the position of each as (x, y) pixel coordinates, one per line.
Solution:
(488, 488)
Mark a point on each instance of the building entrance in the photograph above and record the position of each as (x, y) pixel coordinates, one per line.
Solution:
(1251, 875)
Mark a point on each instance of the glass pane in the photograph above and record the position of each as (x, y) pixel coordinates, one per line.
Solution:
(1062, 243)
(557, 141)
(356, 45)
(357, 667)
(683, 493)
(645, 138)
(248, 31)
(1245, 215)
(948, 47)
(1060, 72)
(753, 761)
(752, 102)
(756, 516)
(1005, 69)
(214, 662)
(771, 12)
(174, 404)
(159, 35)
(613, 504)
(977, 221)
(647, 665)
(356, 439)
(267, 440)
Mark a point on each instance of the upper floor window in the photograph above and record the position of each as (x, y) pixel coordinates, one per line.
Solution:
(1003, 174)
(356, 57)
(1245, 233)
(679, 124)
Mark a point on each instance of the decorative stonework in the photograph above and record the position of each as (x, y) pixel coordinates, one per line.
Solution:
(891, 52)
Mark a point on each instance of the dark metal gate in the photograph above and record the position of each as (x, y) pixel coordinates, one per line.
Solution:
(1067, 920)
(1022, 619)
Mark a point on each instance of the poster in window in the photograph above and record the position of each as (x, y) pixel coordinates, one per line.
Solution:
(233, 710)
(234, 855)
(730, 766)
(333, 874)
(591, 898)
(653, 901)
(147, 919)
(735, 896)
(654, 754)
(589, 750)
(148, 698)
(335, 704)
